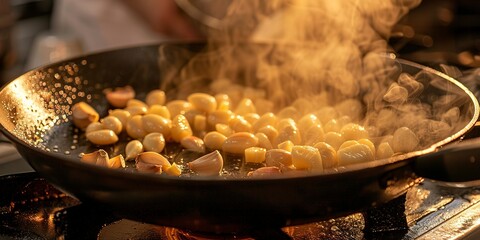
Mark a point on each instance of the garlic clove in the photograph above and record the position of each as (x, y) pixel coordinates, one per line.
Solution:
(132, 149)
(102, 137)
(149, 167)
(120, 96)
(193, 143)
(94, 157)
(208, 165)
(174, 170)
(153, 158)
(83, 115)
(265, 172)
(117, 162)
(154, 142)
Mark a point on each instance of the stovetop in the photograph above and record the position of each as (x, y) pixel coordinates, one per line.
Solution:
(30, 208)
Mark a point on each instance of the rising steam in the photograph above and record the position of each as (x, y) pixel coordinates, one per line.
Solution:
(314, 53)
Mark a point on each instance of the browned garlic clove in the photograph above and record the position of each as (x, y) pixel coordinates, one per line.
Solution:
(208, 165)
(94, 157)
(83, 115)
(153, 158)
(117, 161)
(120, 96)
(100, 158)
(149, 167)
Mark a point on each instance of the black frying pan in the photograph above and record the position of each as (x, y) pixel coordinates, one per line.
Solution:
(34, 110)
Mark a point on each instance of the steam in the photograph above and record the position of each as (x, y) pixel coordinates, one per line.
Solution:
(316, 53)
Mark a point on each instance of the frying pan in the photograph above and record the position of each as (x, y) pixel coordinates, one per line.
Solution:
(34, 115)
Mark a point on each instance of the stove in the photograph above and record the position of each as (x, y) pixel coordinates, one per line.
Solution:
(31, 208)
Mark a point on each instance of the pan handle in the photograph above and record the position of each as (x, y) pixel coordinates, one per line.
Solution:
(457, 164)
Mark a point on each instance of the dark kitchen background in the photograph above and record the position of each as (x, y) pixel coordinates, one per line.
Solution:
(438, 31)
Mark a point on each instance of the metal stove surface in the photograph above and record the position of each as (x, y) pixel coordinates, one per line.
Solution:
(30, 208)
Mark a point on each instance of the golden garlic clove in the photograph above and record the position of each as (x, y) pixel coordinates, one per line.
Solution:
(278, 158)
(200, 123)
(136, 110)
(208, 165)
(149, 167)
(263, 141)
(155, 97)
(214, 140)
(153, 158)
(120, 114)
(224, 129)
(368, 143)
(159, 110)
(177, 107)
(174, 170)
(328, 153)
(238, 142)
(102, 137)
(136, 103)
(255, 155)
(95, 126)
(334, 139)
(180, 128)
(265, 172)
(384, 151)
(313, 135)
(120, 96)
(134, 127)
(203, 102)
(287, 145)
(193, 143)
(306, 158)
(307, 122)
(270, 131)
(156, 123)
(251, 118)
(288, 133)
(239, 124)
(245, 106)
(132, 149)
(219, 116)
(266, 119)
(353, 154)
(83, 115)
(353, 131)
(154, 142)
(223, 101)
(112, 123)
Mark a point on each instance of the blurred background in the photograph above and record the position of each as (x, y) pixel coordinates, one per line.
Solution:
(438, 31)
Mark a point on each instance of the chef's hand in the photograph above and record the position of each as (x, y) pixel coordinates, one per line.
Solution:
(165, 17)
